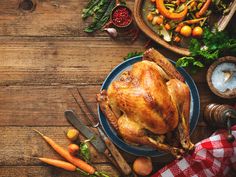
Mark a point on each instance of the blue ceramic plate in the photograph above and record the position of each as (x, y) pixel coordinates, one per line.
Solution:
(144, 150)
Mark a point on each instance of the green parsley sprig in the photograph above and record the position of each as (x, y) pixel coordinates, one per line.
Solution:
(210, 47)
(132, 54)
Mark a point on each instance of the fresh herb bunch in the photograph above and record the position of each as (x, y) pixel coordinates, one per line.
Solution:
(210, 47)
(132, 54)
(84, 149)
(100, 10)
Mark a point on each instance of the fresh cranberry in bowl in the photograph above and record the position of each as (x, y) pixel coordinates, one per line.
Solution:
(121, 16)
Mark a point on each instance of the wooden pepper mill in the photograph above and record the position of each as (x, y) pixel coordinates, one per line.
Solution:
(221, 116)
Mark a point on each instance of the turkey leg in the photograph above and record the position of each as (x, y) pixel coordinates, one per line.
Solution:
(181, 97)
(132, 132)
(103, 103)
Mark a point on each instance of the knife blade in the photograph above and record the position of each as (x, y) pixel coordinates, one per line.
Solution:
(97, 142)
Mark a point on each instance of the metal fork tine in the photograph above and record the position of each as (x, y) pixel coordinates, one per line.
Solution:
(85, 114)
(81, 108)
(87, 106)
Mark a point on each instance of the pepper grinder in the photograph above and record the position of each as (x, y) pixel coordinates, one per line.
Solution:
(221, 116)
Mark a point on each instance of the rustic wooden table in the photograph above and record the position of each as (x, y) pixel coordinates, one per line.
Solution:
(44, 53)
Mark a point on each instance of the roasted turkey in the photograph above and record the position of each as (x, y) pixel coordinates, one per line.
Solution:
(150, 105)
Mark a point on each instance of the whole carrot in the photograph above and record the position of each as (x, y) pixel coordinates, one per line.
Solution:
(65, 154)
(178, 28)
(59, 163)
(193, 21)
(203, 9)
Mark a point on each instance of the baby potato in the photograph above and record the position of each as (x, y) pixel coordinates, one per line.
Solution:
(142, 166)
(73, 149)
(72, 134)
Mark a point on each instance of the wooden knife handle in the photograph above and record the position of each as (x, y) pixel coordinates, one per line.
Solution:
(123, 165)
(110, 158)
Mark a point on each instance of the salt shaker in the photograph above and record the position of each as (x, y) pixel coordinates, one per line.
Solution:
(221, 116)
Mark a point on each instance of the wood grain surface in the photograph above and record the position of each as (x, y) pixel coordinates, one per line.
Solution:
(44, 54)
(49, 18)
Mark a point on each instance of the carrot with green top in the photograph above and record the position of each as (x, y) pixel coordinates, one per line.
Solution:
(194, 21)
(203, 9)
(65, 154)
(70, 167)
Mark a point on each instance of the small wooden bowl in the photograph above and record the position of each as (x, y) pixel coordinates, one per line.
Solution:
(229, 94)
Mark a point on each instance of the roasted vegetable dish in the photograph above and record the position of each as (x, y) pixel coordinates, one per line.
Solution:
(178, 19)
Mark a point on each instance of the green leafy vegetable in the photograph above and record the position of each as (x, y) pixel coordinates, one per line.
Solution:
(91, 8)
(84, 150)
(96, 174)
(212, 46)
(101, 174)
(132, 54)
(185, 61)
(101, 10)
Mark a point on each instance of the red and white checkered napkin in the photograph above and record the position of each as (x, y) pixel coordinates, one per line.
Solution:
(214, 156)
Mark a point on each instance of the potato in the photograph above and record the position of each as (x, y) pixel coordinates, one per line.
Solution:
(142, 166)
(72, 134)
(73, 149)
